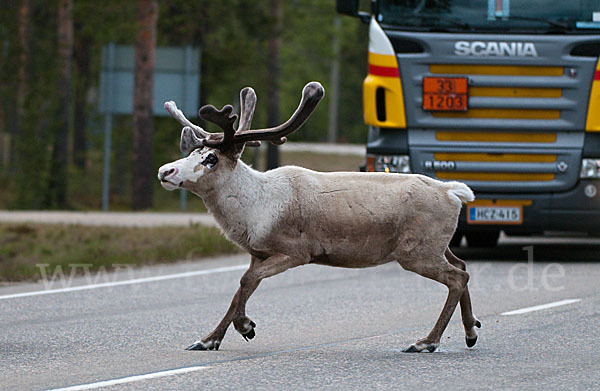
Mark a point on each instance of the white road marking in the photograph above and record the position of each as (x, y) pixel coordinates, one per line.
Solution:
(127, 282)
(172, 372)
(541, 307)
(131, 379)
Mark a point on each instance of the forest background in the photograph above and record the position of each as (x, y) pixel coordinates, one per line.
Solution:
(51, 133)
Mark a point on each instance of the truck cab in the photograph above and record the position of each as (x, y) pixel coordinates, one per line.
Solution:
(501, 95)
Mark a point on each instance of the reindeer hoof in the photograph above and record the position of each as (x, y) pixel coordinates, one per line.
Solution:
(250, 334)
(471, 337)
(471, 333)
(411, 349)
(418, 348)
(470, 341)
(208, 345)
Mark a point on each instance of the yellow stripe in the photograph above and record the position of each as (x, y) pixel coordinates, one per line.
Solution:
(383, 60)
(494, 176)
(513, 70)
(501, 202)
(500, 157)
(592, 123)
(497, 137)
(500, 113)
(516, 92)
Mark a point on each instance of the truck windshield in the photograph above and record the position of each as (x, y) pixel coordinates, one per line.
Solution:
(510, 16)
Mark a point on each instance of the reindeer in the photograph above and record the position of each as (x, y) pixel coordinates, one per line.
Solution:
(291, 216)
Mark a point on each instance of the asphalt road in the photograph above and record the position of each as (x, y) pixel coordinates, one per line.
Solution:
(317, 327)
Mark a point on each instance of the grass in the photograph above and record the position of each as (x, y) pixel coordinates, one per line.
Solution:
(24, 246)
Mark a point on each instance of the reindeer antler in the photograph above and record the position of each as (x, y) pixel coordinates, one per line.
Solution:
(224, 119)
(247, 105)
(312, 93)
(194, 136)
(171, 107)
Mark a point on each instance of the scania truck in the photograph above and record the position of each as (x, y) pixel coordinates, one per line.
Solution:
(503, 95)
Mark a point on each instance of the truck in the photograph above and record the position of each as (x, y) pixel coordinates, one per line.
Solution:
(503, 95)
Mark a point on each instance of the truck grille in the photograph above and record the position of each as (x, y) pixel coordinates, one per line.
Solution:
(532, 109)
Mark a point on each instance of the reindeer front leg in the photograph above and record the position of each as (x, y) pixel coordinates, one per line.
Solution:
(259, 269)
(213, 340)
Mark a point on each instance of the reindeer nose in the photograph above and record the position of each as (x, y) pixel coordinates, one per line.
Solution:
(166, 173)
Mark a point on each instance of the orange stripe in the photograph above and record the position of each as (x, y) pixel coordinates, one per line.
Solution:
(516, 92)
(482, 202)
(500, 114)
(495, 157)
(496, 137)
(507, 70)
(495, 176)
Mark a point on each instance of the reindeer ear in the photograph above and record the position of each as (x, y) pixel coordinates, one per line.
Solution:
(189, 140)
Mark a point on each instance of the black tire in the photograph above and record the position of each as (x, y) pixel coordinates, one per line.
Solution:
(482, 238)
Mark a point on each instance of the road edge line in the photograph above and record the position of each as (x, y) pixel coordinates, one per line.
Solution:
(131, 379)
(540, 307)
(126, 282)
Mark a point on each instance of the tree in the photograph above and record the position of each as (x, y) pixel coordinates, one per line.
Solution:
(21, 81)
(274, 67)
(143, 125)
(235, 35)
(82, 83)
(57, 191)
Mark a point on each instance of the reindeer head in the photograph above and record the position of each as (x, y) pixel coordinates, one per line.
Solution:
(212, 155)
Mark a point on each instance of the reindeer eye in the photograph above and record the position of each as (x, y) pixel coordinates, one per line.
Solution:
(210, 160)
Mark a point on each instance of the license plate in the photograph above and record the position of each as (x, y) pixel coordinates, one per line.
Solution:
(495, 215)
(445, 93)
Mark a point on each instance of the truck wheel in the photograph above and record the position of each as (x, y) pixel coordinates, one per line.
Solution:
(482, 238)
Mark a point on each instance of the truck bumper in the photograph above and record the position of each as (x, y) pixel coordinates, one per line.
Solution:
(576, 210)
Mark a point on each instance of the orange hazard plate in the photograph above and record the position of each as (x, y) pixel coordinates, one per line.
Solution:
(445, 93)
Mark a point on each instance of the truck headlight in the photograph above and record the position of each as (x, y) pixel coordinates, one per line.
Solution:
(388, 163)
(590, 168)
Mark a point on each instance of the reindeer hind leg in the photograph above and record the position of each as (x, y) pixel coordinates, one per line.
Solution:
(470, 322)
(438, 269)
